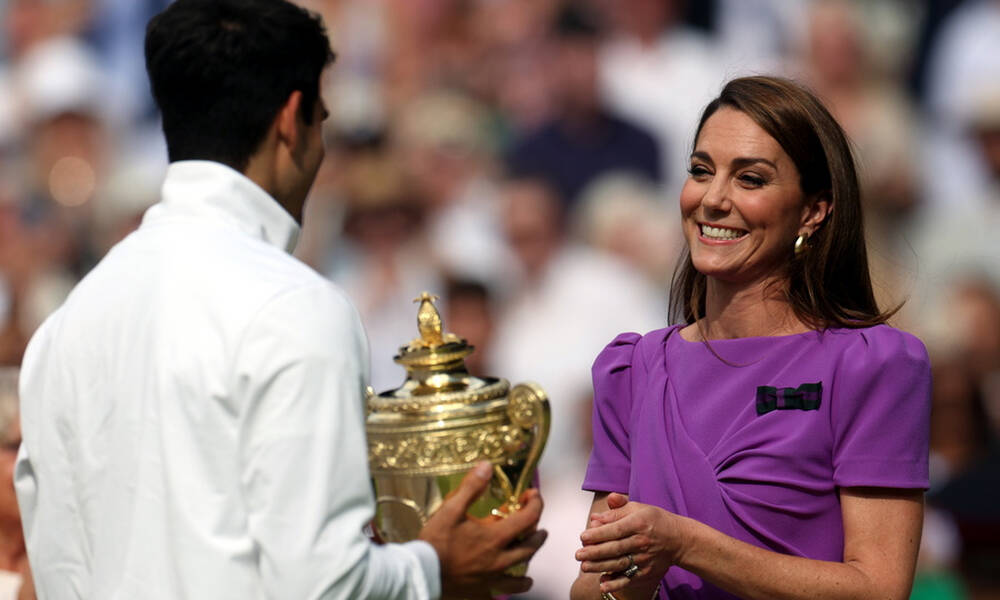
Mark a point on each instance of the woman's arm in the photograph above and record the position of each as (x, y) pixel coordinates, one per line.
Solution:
(881, 537)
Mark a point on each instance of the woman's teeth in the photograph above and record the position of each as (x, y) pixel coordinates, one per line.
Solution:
(720, 233)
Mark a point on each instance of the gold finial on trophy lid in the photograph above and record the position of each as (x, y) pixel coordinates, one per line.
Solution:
(434, 348)
(429, 325)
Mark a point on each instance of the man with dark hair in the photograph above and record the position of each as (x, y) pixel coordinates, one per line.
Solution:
(193, 415)
(585, 139)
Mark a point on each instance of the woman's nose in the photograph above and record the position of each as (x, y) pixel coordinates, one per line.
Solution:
(716, 197)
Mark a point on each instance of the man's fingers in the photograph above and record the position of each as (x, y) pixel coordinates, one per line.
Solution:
(527, 495)
(520, 522)
(472, 487)
(521, 551)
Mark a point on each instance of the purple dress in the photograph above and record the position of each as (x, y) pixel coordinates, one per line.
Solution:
(757, 445)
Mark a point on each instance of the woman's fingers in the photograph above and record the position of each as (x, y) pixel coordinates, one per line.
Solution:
(614, 582)
(608, 550)
(616, 500)
(607, 532)
(614, 565)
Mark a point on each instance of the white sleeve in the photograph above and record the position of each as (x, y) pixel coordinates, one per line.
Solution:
(300, 373)
(53, 534)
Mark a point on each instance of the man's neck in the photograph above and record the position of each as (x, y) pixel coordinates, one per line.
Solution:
(12, 550)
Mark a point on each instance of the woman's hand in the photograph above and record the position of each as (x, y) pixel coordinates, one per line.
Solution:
(653, 537)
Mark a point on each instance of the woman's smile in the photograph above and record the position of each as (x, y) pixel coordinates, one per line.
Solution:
(715, 234)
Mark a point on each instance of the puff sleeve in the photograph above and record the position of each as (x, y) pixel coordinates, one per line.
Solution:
(610, 461)
(881, 411)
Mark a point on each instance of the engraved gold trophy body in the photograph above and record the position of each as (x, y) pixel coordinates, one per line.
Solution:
(426, 434)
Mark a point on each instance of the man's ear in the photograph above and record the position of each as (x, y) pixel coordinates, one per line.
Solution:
(287, 121)
(815, 212)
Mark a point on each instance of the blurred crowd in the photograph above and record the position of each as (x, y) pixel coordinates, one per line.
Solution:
(522, 159)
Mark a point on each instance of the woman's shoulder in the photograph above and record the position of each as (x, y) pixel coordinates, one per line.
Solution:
(622, 350)
(877, 346)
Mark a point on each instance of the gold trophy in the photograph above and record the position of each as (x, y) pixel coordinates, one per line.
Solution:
(424, 436)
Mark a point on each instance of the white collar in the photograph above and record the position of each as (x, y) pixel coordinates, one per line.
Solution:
(206, 188)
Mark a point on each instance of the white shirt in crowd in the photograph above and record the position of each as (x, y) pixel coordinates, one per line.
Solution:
(193, 418)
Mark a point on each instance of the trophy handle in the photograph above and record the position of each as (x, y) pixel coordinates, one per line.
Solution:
(528, 408)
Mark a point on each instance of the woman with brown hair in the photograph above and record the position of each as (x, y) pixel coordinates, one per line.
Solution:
(774, 444)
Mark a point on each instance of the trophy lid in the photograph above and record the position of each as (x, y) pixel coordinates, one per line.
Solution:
(437, 379)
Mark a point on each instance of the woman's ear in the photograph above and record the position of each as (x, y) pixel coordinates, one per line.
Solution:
(815, 212)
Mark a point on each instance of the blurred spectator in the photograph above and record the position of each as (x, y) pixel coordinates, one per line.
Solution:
(382, 261)
(960, 429)
(514, 75)
(756, 35)
(447, 154)
(965, 429)
(28, 22)
(839, 64)
(660, 74)
(585, 139)
(469, 313)
(15, 574)
(65, 161)
(963, 64)
(940, 548)
(961, 242)
(571, 301)
(626, 216)
(117, 28)
(432, 45)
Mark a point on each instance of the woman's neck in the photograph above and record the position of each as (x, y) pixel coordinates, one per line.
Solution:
(757, 310)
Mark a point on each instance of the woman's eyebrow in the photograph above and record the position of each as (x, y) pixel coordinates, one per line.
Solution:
(738, 163)
(741, 162)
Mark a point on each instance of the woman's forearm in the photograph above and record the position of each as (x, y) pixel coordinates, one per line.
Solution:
(757, 574)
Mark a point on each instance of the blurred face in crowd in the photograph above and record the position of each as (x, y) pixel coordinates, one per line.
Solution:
(742, 205)
(646, 19)
(836, 47)
(575, 74)
(532, 223)
(69, 155)
(469, 316)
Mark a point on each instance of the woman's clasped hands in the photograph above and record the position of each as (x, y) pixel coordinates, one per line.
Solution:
(631, 533)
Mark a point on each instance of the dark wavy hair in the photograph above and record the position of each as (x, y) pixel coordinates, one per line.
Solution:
(220, 70)
(829, 284)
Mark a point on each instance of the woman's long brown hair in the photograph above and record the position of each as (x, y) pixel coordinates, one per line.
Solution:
(829, 284)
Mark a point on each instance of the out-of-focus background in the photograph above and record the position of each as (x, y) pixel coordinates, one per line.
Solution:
(522, 158)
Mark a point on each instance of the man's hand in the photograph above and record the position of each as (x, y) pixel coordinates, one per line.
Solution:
(475, 552)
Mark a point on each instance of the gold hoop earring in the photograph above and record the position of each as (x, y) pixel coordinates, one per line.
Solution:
(800, 244)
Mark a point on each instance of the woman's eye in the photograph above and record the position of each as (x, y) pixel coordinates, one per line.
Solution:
(751, 180)
(697, 171)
